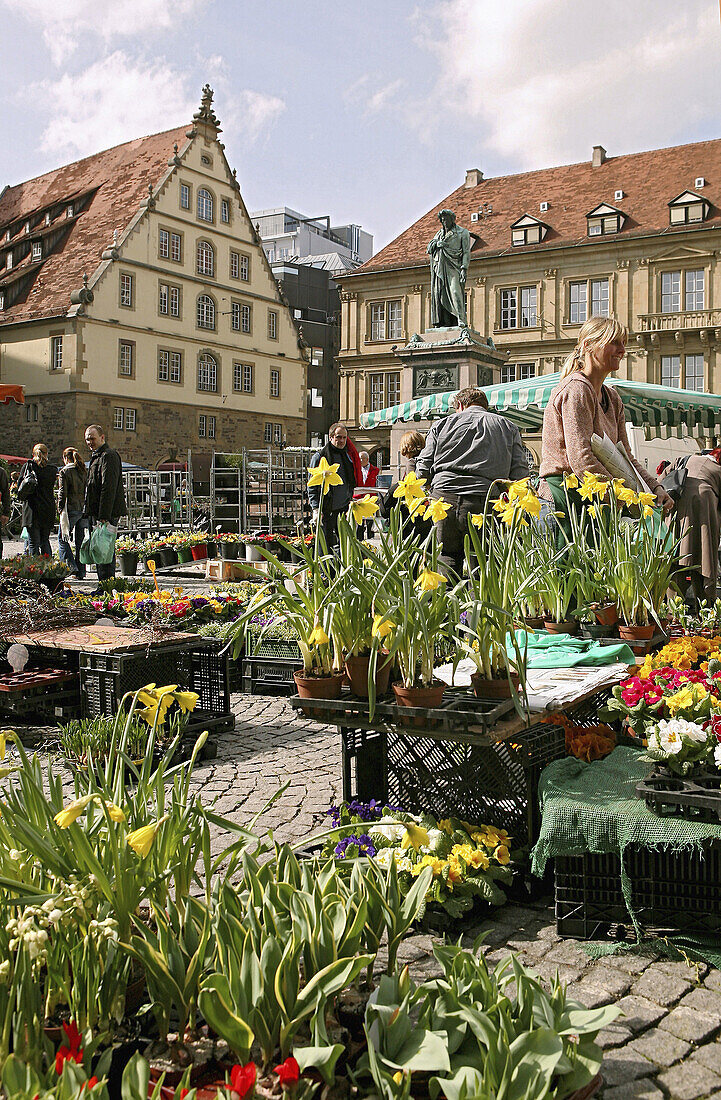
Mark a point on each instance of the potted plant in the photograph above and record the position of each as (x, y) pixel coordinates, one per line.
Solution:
(128, 552)
(229, 545)
(252, 545)
(198, 545)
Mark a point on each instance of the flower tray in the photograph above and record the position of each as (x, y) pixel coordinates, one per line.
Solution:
(671, 892)
(36, 680)
(697, 796)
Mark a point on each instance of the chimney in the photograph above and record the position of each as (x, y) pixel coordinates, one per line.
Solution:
(473, 177)
(599, 156)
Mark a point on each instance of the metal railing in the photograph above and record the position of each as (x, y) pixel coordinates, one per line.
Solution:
(158, 500)
(670, 322)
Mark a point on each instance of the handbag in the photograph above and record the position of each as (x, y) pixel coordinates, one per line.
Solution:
(28, 485)
(675, 482)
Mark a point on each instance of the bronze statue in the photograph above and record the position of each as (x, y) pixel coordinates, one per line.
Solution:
(450, 252)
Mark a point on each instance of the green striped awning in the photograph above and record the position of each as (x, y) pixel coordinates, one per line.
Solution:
(659, 410)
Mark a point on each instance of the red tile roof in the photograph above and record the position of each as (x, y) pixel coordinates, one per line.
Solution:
(118, 179)
(649, 181)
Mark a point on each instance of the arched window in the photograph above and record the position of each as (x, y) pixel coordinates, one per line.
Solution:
(206, 311)
(205, 258)
(207, 373)
(205, 204)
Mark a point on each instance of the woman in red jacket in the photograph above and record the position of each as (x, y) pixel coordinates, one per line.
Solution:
(367, 480)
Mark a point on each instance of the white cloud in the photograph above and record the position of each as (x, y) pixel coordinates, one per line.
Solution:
(380, 98)
(251, 114)
(365, 94)
(63, 21)
(547, 79)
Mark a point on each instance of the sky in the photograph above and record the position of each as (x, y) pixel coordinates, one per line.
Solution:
(369, 112)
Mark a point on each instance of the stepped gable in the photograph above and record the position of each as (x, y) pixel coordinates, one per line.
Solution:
(648, 180)
(106, 191)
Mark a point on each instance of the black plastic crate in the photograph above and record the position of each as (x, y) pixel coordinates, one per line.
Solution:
(63, 702)
(671, 892)
(269, 674)
(274, 647)
(201, 667)
(474, 777)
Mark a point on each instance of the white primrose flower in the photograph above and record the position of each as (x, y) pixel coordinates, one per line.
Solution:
(667, 738)
(389, 831)
(383, 857)
(403, 863)
(435, 836)
(717, 755)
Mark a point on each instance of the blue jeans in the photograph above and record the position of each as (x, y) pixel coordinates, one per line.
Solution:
(39, 541)
(65, 548)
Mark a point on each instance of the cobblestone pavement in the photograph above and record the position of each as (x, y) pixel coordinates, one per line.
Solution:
(666, 1044)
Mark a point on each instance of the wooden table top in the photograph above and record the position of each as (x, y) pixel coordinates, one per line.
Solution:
(100, 639)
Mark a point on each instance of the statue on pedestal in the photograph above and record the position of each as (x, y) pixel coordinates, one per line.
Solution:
(450, 252)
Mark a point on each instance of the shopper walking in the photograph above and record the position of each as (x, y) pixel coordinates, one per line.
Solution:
(464, 454)
(4, 503)
(338, 497)
(104, 492)
(39, 506)
(71, 501)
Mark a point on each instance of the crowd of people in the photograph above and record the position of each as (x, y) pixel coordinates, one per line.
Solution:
(470, 453)
(83, 497)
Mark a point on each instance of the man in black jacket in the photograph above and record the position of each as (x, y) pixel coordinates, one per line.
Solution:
(4, 503)
(104, 492)
(338, 497)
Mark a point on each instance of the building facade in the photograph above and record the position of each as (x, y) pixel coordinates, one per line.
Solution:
(135, 293)
(636, 237)
(288, 235)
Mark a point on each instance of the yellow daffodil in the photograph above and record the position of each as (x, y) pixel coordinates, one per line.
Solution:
(592, 486)
(500, 505)
(518, 489)
(428, 581)
(647, 511)
(141, 840)
(365, 508)
(325, 475)
(318, 636)
(437, 510)
(416, 507)
(410, 488)
(186, 700)
(647, 499)
(628, 496)
(570, 481)
(70, 813)
(502, 855)
(509, 514)
(529, 503)
(5, 736)
(477, 519)
(398, 1078)
(114, 812)
(415, 837)
(381, 627)
(158, 702)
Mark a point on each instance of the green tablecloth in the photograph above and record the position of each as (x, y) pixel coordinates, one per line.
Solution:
(564, 651)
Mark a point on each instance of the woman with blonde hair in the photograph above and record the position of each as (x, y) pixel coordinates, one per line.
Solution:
(71, 499)
(411, 445)
(582, 406)
(39, 506)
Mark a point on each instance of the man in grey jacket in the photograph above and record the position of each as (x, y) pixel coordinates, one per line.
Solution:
(464, 454)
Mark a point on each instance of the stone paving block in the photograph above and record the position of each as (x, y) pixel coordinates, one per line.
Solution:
(625, 1065)
(709, 1056)
(713, 980)
(693, 972)
(547, 971)
(630, 962)
(642, 1088)
(615, 1035)
(615, 982)
(569, 953)
(688, 1081)
(706, 1001)
(661, 987)
(591, 996)
(640, 1013)
(689, 1024)
(660, 1047)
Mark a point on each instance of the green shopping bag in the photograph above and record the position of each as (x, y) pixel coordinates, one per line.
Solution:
(98, 546)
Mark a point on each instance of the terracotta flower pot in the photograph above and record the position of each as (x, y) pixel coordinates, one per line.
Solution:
(356, 668)
(483, 688)
(199, 551)
(419, 696)
(534, 622)
(606, 614)
(636, 633)
(318, 687)
(568, 626)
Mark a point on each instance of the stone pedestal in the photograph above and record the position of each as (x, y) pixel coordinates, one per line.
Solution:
(443, 359)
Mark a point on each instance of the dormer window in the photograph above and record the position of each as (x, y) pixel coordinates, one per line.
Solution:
(7, 236)
(528, 230)
(9, 261)
(686, 208)
(27, 227)
(70, 210)
(37, 250)
(47, 218)
(604, 219)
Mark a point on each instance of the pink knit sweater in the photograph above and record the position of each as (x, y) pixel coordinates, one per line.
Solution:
(572, 416)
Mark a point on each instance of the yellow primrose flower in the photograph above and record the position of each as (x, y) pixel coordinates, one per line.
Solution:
(570, 481)
(5, 736)
(114, 812)
(65, 817)
(381, 627)
(318, 636)
(325, 475)
(410, 488)
(415, 837)
(455, 873)
(141, 840)
(477, 520)
(365, 508)
(428, 581)
(437, 510)
(502, 855)
(479, 859)
(435, 864)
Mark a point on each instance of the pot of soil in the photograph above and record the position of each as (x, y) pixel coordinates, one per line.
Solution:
(318, 687)
(483, 688)
(430, 697)
(212, 549)
(606, 614)
(171, 555)
(356, 668)
(229, 550)
(252, 553)
(636, 633)
(162, 557)
(128, 562)
(282, 551)
(598, 630)
(185, 554)
(199, 551)
(567, 626)
(534, 622)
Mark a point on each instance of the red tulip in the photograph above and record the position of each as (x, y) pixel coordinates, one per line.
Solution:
(242, 1079)
(288, 1072)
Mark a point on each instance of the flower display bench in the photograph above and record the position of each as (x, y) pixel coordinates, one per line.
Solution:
(219, 569)
(40, 692)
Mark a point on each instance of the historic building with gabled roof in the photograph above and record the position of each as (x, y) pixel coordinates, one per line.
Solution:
(135, 293)
(635, 236)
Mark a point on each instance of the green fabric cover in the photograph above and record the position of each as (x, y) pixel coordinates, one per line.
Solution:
(564, 651)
